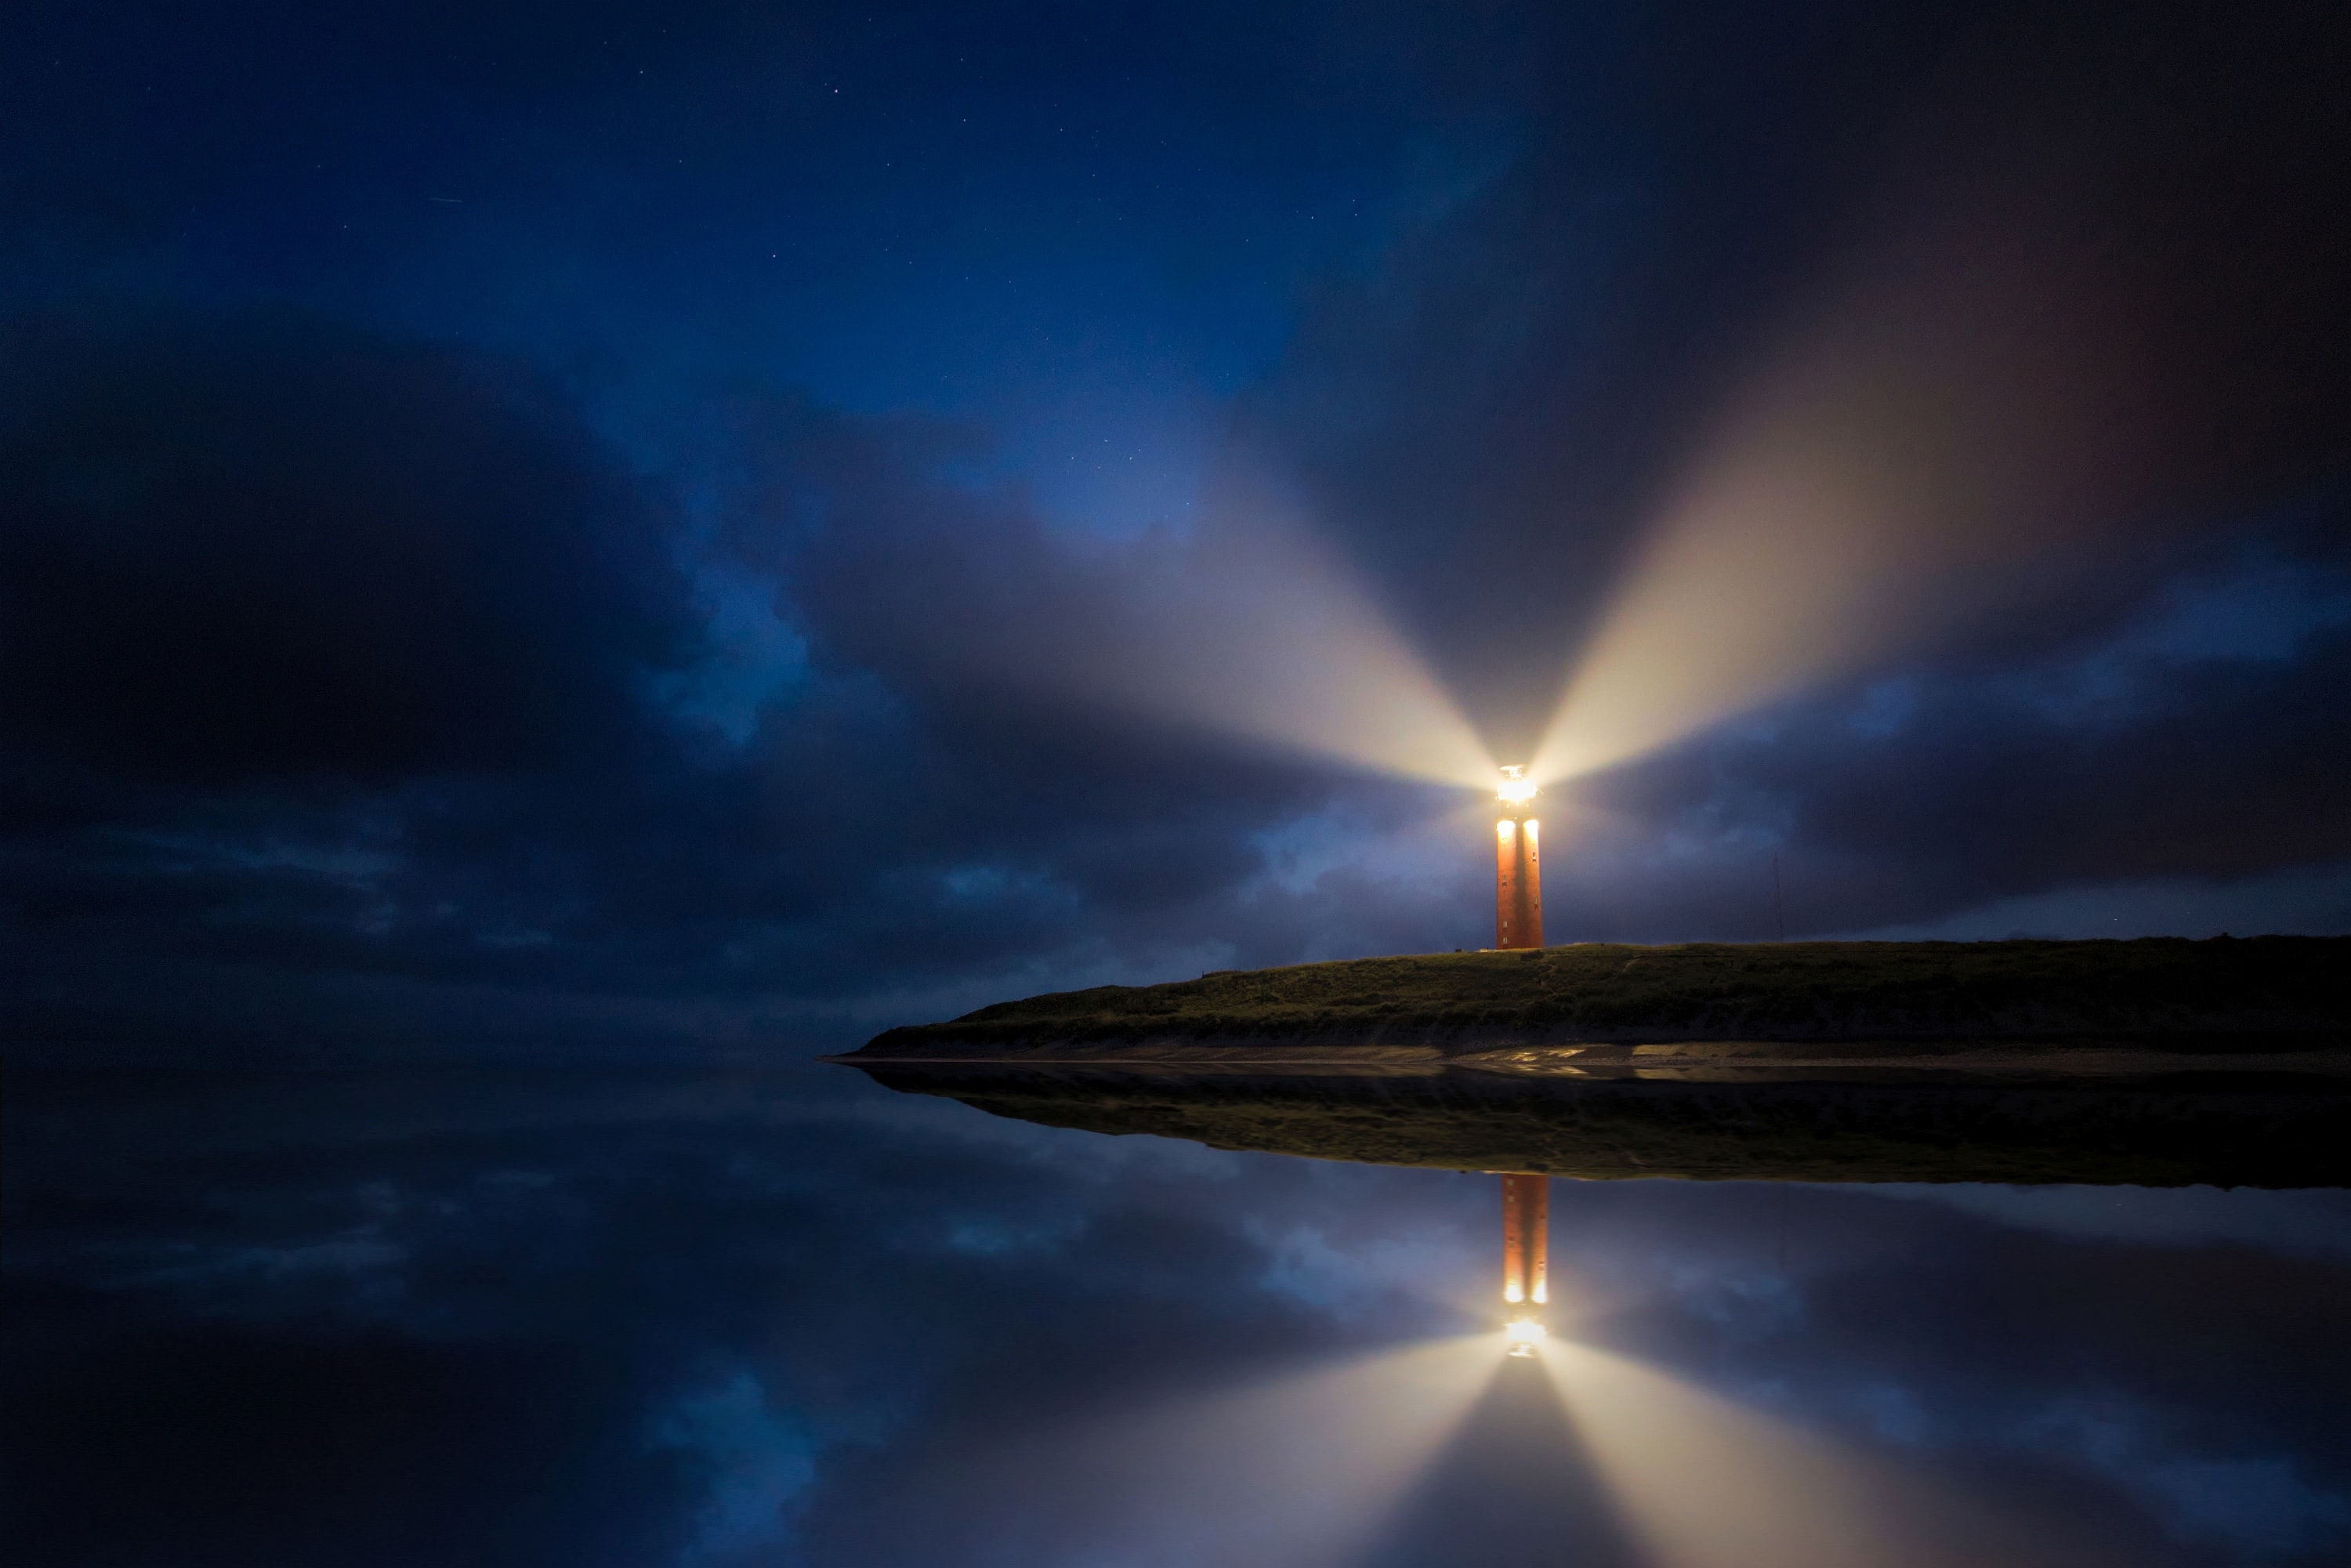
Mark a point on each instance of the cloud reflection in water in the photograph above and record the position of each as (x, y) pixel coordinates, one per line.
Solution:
(587, 1318)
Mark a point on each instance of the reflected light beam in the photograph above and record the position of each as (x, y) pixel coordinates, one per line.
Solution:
(1705, 1483)
(1301, 1471)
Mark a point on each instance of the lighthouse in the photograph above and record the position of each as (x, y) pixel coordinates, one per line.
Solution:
(1518, 923)
(1517, 864)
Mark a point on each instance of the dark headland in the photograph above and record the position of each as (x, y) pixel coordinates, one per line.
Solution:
(1907, 1000)
(2151, 1062)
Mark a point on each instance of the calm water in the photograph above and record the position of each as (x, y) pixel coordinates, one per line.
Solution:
(589, 1318)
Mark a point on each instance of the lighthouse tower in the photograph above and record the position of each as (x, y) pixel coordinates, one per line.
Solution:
(1517, 864)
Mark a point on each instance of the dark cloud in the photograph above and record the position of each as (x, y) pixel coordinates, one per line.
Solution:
(333, 655)
(276, 548)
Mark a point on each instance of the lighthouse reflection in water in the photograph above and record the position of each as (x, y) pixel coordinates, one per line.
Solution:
(1526, 1285)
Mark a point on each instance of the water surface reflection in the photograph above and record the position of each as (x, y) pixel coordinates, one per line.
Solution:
(602, 1317)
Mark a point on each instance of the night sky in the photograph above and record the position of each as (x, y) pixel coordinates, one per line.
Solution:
(657, 526)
